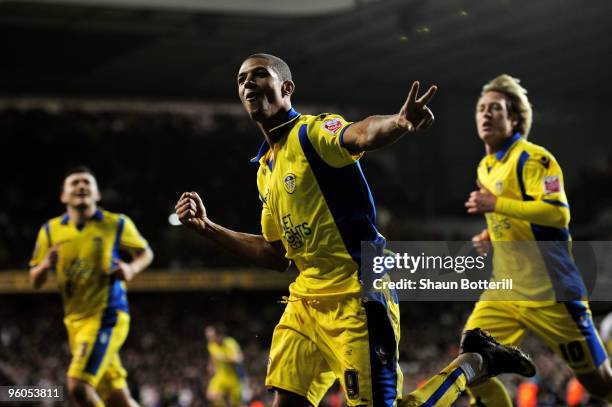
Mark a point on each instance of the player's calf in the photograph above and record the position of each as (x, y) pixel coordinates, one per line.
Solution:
(598, 382)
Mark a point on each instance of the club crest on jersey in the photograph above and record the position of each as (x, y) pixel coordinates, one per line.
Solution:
(552, 184)
(332, 125)
(290, 182)
(499, 187)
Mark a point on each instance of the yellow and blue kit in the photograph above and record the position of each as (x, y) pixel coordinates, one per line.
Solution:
(315, 199)
(227, 380)
(532, 207)
(96, 311)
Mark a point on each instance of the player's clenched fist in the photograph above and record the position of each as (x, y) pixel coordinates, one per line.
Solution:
(482, 201)
(482, 242)
(190, 211)
(50, 259)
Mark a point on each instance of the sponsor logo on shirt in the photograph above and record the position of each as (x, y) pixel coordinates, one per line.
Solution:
(552, 184)
(295, 234)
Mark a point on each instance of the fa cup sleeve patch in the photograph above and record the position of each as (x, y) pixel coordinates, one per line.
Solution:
(552, 184)
(332, 125)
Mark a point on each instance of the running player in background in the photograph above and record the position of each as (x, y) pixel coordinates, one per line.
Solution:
(81, 248)
(521, 194)
(316, 210)
(225, 366)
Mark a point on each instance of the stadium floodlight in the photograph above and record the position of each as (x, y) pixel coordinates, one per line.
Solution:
(174, 220)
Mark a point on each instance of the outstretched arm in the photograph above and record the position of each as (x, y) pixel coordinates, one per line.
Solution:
(378, 131)
(254, 248)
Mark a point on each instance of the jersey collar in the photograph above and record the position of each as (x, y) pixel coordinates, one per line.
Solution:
(96, 216)
(507, 145)
(276, 134)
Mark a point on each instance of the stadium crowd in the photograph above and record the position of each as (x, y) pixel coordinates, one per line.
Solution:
(165, 353)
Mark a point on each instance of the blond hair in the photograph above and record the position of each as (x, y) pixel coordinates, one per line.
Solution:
(516, 100)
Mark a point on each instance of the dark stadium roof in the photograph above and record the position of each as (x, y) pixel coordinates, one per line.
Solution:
(358, 55)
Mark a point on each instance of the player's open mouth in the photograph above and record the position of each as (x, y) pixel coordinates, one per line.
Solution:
(252, 96)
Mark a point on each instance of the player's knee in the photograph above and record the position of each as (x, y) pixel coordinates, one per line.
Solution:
(283, 398)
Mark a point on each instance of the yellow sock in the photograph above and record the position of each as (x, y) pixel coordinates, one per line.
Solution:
(441, 390)
(489, 393)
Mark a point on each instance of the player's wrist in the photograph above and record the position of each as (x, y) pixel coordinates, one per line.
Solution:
(500, 204)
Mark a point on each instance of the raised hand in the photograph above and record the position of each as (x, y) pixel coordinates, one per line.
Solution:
(191, 211)
(414, 114)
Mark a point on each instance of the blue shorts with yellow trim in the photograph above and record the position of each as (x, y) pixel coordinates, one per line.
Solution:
(566, 327)
(317, 341)
(95, 343)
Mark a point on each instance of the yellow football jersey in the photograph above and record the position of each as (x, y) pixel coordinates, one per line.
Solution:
(224, 354)
(85, 260)
(317, 202)
(523, 171)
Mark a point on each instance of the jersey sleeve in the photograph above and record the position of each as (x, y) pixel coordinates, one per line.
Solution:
(131, 239)
(325, 134)
(232, 349)
(543, 179)
(41, 246)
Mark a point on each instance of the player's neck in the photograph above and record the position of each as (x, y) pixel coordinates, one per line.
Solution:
(80, 216)
(268, 125)
(492, 149)
(500, 145)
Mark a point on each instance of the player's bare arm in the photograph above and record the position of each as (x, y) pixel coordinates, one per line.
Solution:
(254, 248)
(38, 273)
(128, 270)
(378, 131)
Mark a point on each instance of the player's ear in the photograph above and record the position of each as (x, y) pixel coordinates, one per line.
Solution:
(287, 88)
(64, 194)
(514, 121)
(95, 190)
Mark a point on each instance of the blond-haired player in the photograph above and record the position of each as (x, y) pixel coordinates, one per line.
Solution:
(521, 193)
